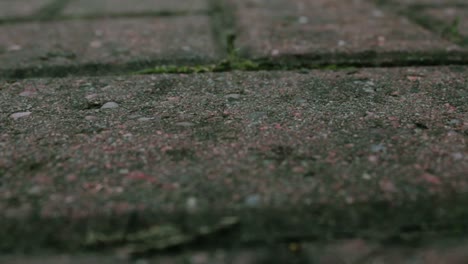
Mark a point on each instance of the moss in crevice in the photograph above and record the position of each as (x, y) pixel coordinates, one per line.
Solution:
(448, 30)
(232, 62)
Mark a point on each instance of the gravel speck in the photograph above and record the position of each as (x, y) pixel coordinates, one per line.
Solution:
(28, 93)
(18, 115)
(36, 190)
(253, 200)
(145, 119)
(110, 105)
(457, 156)
(91, 96)
(192, 204)
(366, 176)
(378, 148)
(303, 20)
(233, 97)
(454, 122)
(14, 48)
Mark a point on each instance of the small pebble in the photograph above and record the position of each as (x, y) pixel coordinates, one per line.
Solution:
(303, 20)
(377, 13)
(123, 171)
(95, 44)
(457, 156)
(454, 122)
(366, 176)
(18, 115)
(35, 190)
(192, 204)
(378, 148)
(91, 96)
(300, 100)
(369, 89)
(28, 93)
(252, 200)
(110, 105)
(145, 119)
(232, 97)
(14, 48)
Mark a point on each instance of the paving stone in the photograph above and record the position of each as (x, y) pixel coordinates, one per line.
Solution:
(282, 27)
(89, 7)
(114, 41)
(318, 148)
(20, 8)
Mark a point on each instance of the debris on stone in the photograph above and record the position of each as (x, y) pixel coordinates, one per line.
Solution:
(19, 115)
(110, 105)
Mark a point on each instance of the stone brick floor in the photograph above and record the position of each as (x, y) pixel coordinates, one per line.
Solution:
(324, 131)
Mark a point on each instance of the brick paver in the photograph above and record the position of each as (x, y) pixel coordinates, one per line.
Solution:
(272, 28)
(103, 7)
(231, 140)
(114, 41)
(233, 167)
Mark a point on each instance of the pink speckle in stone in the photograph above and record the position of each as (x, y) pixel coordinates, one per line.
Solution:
(387, 186)
(414, 78)
(71, 178)
(373, 158)
(28, 93)
(431, 178)
(450, 108)
(138, 175)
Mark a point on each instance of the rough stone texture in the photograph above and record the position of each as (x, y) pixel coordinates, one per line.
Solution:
(20, 8)
(113, 41)
(88, 7)
(287, 139)
(272, 28)
(289, 155)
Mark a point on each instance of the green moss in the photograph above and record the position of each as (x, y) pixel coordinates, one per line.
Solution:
(232, 62)
(178, 69)
(452, 32)
(446, 29)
